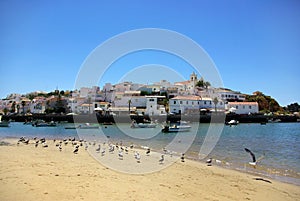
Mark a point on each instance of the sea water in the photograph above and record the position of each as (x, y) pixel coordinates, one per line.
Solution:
(278, 143)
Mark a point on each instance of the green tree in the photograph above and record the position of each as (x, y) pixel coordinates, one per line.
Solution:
(203, 84)
(5, 110)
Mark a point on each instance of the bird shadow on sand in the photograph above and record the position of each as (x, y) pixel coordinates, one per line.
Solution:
(262, 179)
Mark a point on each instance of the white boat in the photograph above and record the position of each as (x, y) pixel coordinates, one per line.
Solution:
(143, 125)
(232, 122)
(181, 126)
(3, 123)
(42, 123)
(83, 126)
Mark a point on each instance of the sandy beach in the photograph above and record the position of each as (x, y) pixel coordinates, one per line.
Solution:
(37, 173)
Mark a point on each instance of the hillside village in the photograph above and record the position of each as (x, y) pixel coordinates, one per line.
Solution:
(160, 98)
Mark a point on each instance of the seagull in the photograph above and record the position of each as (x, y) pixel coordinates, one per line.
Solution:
(182, 157)
(111, 149)
(148, 152)
(161, 160)
(165, 150)
(138, 157)
(99, 148)
(26, 141)
(75, 150)
(209, 161)
(126, 150)
(254, 161)
(121, 155)
(60, 148)
(103, 152)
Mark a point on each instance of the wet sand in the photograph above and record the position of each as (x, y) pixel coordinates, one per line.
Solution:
(36, 173)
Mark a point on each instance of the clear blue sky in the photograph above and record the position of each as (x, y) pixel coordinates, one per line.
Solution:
(254, 44)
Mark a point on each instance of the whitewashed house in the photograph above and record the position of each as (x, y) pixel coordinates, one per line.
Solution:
(154, 105)
(193, 104)
(242, 107)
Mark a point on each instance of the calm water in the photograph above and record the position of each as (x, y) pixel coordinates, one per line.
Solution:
(279, 142)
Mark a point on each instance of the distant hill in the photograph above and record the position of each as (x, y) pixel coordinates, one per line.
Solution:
(265, 103)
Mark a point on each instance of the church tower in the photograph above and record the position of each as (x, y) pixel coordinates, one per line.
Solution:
(193, 80)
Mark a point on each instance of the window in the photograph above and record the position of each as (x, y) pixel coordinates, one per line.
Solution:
(250, 107)
(243, 106)
(237, 107)
(204, 102)
(187, 102)
(174, 102)
(180, 102)
(192, 102)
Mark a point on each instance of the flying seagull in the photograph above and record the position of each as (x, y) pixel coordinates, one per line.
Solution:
(254, 161)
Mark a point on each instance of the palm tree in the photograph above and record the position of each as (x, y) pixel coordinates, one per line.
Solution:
(215, 101)
(129, 103)
(23, 105)
(18, 108)
(89, 101)
(13, 107)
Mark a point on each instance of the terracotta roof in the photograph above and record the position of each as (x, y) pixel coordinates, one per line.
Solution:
(184, 82)
(187, 98)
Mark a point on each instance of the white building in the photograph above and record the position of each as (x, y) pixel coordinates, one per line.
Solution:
(154, 105)
(193, 104)
(229, 95)
(187, 87)
(242, 107)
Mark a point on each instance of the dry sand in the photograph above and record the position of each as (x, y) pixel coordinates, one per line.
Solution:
(29, 173)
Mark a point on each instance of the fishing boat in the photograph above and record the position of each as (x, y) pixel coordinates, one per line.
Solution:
(42, 123)
(3, 123)
(83, 126)
(134, 124)
(181, 126)
(232, 122)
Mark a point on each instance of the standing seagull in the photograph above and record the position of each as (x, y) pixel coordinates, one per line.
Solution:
(148, 152)
(182, 157)
(121, 155)
(138, 157)
(161, 160)
(209, 161)
(254, 161)
(75, 150)
(99, 148)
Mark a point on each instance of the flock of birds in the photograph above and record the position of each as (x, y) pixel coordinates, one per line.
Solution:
(98, 147)
(119, 148)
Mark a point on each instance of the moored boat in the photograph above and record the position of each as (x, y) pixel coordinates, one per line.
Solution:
(134, 124)
(232, 122)
(3, 123)
(83, 126)
(41, 123)
(181, 126)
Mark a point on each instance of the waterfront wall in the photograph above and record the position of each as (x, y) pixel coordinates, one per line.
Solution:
(203, 118)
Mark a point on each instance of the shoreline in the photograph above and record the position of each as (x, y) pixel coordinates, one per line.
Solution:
(220, 164)
(49, 174)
